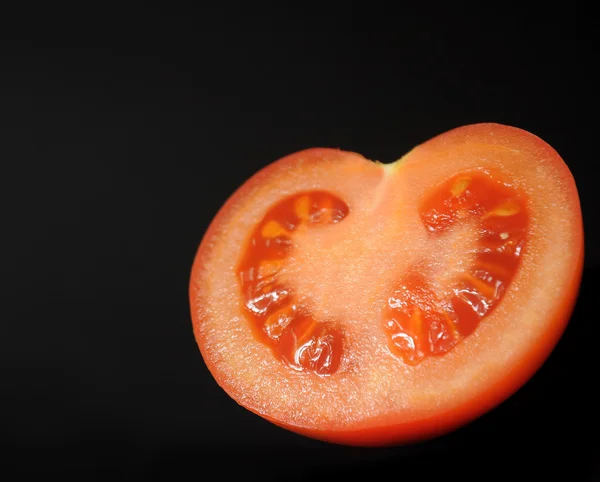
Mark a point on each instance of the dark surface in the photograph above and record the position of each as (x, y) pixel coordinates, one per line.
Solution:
(117, 152)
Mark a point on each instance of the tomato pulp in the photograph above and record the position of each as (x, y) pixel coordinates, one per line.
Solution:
(364, 303)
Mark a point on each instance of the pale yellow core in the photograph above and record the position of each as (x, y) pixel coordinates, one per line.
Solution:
(509, 208)
(302, 208)
(415, 321)
(460, 185)
(273, 229)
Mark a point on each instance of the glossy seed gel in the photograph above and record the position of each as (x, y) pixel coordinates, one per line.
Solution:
(278, 321)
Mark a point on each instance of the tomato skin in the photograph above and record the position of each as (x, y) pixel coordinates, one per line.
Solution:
(391, 428)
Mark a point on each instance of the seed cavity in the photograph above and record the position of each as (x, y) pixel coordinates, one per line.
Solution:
(420, 320)
(460, 185)
(276, 318)
(269, 267)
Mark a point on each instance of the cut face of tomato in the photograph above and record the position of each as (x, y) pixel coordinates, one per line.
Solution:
(368, 304)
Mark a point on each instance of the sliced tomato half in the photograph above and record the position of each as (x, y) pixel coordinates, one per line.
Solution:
(364, 303)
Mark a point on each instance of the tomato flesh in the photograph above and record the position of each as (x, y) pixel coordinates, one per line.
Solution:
(277, 320)
(419, 319)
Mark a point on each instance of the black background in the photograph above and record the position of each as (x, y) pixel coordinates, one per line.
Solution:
(123, 132)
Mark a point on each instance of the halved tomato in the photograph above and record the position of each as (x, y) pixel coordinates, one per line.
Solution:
(364, 303)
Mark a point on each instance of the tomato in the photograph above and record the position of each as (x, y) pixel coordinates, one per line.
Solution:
(364, 303)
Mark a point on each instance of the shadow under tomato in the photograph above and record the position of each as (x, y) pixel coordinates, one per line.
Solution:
(541, 430)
